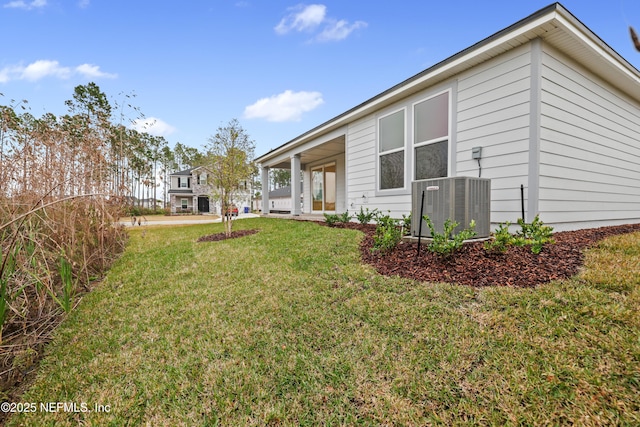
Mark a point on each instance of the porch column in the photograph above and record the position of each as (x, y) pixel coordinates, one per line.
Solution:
(295, 185)
(265, 190)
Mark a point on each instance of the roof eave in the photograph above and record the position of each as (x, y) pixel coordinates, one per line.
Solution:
(537, 25)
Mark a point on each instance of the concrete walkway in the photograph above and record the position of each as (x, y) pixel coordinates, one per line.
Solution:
(184, 220)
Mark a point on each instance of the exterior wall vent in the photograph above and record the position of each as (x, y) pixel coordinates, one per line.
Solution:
(461, 199)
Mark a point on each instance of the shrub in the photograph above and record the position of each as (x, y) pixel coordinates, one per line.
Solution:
(501, 239)
(366, 217)
(388, 234)
(139, 211)
(406, 224)
(446, 243)
(331, 219)
(535, 235)
(344, 217)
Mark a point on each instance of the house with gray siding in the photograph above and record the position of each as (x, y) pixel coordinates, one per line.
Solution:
(551, 106)
(191, 192)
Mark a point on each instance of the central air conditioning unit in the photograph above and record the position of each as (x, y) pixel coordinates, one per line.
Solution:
(460, 199)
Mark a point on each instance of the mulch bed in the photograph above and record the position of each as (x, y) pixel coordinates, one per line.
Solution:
(474, 266)
(222, 236)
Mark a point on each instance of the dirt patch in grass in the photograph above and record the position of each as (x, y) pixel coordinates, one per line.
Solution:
(222, 236)
(474, 266)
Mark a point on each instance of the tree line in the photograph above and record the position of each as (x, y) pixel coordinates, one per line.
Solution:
(91, 149)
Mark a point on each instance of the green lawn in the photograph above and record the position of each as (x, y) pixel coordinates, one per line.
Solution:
(286, 327)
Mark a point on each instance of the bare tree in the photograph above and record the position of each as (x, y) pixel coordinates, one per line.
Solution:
(229, 160)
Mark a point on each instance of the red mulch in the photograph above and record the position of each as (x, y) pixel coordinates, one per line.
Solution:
(222, 236)
(474, 266)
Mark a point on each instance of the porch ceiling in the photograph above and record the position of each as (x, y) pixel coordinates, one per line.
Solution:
(316, 154)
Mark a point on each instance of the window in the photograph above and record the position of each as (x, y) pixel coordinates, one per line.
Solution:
(391, 141)
(183, 183)
(431, 137)
(184, 203)
(202, 179)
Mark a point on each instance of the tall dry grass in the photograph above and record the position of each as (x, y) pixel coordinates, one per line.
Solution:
(59, 204)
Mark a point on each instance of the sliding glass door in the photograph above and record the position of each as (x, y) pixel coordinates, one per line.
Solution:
(317, 188)
(323, 188)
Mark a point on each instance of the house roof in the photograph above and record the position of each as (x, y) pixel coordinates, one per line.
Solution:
(190, 171)
(554, 24)
(280, 192)
(283, 192)
(184, 172)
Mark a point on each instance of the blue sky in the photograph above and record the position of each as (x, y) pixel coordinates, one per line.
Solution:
(279, 67)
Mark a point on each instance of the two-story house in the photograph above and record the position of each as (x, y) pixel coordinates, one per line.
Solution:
(190, 193)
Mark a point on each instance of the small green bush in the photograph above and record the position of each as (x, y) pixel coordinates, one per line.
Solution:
(501, 241)
(331, 219)
(535, 235)
(138, 211)
(406, 224)
(365, 217)
(446, 243)
(388, 234)
(344, 217)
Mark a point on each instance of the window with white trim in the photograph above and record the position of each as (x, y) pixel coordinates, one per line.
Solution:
(391, 142)
(184, 203)
(431, 137)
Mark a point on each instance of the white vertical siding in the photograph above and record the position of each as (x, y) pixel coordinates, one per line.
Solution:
(493, 112)
(589, 148)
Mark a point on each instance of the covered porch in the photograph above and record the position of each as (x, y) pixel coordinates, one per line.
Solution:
(321, 164)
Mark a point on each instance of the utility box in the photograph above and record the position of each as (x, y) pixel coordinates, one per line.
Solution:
(461, 199)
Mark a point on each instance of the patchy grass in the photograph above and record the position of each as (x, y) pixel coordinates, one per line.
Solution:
(287, 327)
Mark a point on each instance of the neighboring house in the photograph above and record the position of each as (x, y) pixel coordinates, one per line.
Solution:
(280, 199)
(552, 107)
(151, 204)
(190, 193)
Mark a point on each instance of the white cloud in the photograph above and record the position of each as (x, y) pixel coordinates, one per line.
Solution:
(302, 18)
(42, 68)
(93, 71)
(339, 30)
(21, 4)
(284, 107)
(7, 72)
(153, 126)
(83, 4)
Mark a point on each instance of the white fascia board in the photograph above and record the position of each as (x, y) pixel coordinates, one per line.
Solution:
(571, 25)
(459, 62)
